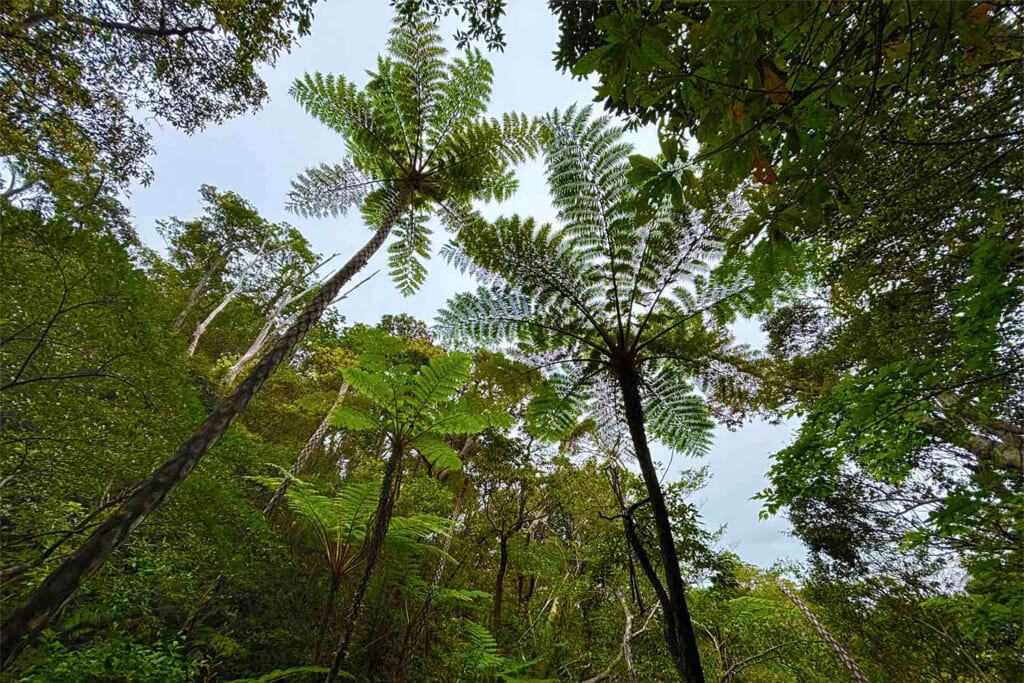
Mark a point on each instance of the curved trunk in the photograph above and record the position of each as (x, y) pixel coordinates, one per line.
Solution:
(47, 599)
(855, 673)
(371, 552)
(307, 451)
(682, 642)
(258, 344)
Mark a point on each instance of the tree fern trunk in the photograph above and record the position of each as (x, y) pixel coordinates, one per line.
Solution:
(335, 582)
(499, 583)
(307, 451)
(46, 600)
(682, 642)
(371, 551)
(855, 673)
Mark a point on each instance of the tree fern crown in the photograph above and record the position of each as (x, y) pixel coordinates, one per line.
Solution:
(419, 121)
(415, 407)
(615, 291)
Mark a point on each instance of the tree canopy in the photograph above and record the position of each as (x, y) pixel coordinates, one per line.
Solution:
(480, 494)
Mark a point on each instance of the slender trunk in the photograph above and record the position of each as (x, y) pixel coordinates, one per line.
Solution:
(531, 586)
(627, 650)
(371, 552)
(414, 631)
(632, 544)
(262, 339)
(682, 642)
(335, 582)
(201, 327)
(47, 599)
(282, 300)
(235, 291)
(307, 451)
(499, 583)
(855, 673)
(193, 296)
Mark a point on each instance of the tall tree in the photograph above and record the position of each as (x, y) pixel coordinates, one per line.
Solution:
(208, 252)
(869, 156)
(605, 296)
(415, 131)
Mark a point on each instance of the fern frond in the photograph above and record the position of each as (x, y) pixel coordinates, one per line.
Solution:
(676, 415)
(408, 253)
(439, 454)
(282, 674)
(329, 190)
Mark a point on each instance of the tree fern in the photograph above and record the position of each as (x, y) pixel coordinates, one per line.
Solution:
(613, 306)
(413, 408)
(417, 123)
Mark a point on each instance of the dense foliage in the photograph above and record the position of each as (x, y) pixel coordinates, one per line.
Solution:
(478, 501)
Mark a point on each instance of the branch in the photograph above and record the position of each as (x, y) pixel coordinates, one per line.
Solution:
(150, 31)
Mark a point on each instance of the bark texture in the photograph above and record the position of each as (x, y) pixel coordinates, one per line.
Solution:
(855, 673)
(499, 583)
(47, 599)
(372, 551)
(307, 451)
(682, 642)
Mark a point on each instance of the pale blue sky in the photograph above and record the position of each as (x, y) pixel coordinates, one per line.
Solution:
(257, 155)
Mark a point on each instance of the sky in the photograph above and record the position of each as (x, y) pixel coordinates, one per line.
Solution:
(259, 154)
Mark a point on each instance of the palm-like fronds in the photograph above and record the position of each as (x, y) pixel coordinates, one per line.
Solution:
(419, 121)
(613, 289)
(340, 523)
(415, 406)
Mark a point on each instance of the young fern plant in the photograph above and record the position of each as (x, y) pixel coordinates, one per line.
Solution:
(339, 523)
(615, 308)
(417, 143)
(414, 408)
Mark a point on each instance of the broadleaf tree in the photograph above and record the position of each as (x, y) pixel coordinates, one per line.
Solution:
(415, 132)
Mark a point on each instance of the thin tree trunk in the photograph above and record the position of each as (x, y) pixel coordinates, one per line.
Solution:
(325, 619)
(268, 334)
(626, 650)
(415, 630)
(218, 262)
(307, 451)
(46, 600)
(855, 673)
(499, 583)
(371, 552)
(201, 327)
(262, 339)
(682, 642)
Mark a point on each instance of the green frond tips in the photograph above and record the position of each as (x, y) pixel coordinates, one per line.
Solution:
(419, 120)
(283, 674)
(676, 415)
(328, 190)
(554, 411)
(416, 406)
(406, 255)
(439, 454)
(482, 655)
(489, 316)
